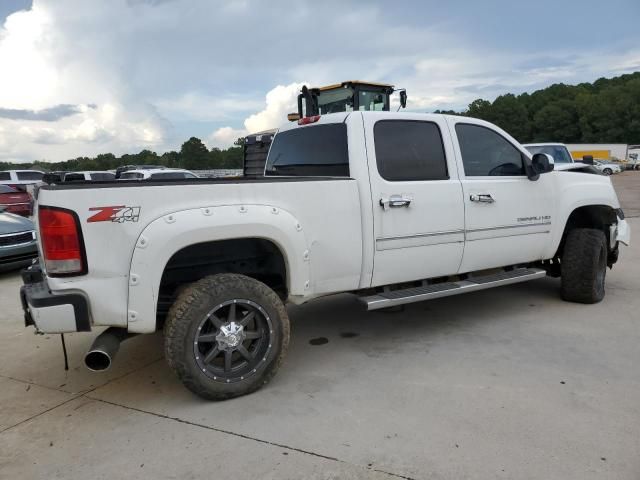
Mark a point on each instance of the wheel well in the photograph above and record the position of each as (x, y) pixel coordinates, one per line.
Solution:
(254, 257)
(589, 216)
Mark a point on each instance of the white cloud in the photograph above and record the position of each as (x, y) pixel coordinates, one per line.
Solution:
(279, 101)
(225, 136)
(160, 71)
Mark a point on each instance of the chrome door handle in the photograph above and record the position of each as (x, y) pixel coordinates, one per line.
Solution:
(395, 201)
(482, 198)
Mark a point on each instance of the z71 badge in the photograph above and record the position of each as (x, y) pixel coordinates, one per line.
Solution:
(119, 214)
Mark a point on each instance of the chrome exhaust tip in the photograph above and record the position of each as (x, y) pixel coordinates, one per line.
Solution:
(104, 348)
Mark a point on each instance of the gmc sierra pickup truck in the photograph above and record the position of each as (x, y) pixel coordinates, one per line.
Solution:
(392, 207)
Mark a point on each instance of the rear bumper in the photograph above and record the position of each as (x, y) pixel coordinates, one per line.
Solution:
(52, 312)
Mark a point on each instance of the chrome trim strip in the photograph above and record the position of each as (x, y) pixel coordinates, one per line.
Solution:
(506, 236)
(32, 232)
(503, 227)
(418, 235)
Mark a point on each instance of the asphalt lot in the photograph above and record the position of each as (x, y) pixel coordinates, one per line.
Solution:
(506, 383)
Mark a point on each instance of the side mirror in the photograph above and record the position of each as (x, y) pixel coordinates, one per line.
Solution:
(403, 98)
(542, 163)
(588, 159)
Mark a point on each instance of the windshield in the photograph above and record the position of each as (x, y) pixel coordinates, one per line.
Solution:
(333, 101)
(373, 101)
(559, 153)
(7, 189)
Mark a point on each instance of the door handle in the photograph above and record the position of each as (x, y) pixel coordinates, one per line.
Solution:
(482, 198)
(395, 201)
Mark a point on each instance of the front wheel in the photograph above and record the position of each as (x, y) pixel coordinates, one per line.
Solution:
(607, 171)
(226, 335)
(584, 265)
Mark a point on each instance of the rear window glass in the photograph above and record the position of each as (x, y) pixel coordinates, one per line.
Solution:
(131, 176)
(170, 176)
(5, 176)
(315, 151)
(102, 176)
(29, 176)
(74, 177)
(7, 189)
(409, 150)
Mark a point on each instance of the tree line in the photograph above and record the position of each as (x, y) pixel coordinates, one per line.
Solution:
(193, 155)
(605, 111)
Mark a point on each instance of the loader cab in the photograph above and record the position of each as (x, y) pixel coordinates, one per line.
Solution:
(349, 96)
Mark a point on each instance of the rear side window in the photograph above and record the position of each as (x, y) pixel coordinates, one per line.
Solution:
(409, 150)
(316, 151)
(487, 153)
(5, 176)
(29, 176)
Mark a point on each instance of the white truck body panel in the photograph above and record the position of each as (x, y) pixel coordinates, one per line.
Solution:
(333, 233)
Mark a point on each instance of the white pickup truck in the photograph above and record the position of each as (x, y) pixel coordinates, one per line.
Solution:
(393, 207)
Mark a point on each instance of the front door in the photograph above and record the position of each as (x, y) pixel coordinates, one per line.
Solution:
(417, 201)
(507, 216)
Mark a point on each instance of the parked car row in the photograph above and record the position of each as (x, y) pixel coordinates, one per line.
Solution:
(562, 156)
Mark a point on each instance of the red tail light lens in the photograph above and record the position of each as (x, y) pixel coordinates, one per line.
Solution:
(308, 120)
(62, 245)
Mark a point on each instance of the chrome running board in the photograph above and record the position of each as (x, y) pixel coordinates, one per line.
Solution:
(392, 298)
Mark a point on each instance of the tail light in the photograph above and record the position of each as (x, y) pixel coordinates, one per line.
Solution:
(308, 120)
(62, 244)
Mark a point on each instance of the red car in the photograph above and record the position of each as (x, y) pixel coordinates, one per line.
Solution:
(15, 201)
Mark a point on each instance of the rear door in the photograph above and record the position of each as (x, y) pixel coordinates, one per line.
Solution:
(508, 217)
(418, 211)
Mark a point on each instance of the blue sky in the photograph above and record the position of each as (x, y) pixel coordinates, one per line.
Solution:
(83, 77)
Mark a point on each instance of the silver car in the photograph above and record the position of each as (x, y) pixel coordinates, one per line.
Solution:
(17, 241)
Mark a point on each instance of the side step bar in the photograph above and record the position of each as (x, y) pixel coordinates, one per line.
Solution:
(446, 289)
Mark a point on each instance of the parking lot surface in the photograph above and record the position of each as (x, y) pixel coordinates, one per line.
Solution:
(506, 383)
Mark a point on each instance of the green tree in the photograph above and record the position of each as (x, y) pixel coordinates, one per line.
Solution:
(195, 155)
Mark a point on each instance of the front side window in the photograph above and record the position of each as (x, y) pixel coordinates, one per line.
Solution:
(409, 150)
(312, 151)
(487, 153)
(29, 176)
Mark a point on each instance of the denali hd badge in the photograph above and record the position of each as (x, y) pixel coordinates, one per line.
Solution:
(119, 214)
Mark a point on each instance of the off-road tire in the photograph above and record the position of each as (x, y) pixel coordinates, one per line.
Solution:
(584, 266)
(192, 306)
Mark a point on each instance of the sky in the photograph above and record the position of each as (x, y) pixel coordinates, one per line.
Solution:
(83, 77)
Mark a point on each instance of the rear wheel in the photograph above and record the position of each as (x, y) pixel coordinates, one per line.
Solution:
(226, 336)
(584, 266)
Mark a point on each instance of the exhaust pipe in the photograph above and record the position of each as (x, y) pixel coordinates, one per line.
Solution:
(104, 348)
